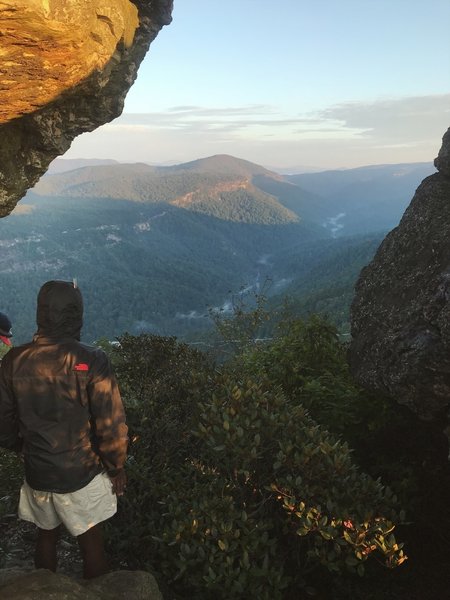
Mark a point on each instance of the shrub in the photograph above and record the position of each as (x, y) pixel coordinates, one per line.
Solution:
(235, 492)
(160, 381)
(281, 457)
(308, 361)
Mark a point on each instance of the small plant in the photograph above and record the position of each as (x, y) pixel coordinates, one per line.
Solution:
(239, 329)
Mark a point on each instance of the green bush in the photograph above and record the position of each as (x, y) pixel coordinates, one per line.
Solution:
(235, 491)
(308, 361)
(281, 457)
(160, 381)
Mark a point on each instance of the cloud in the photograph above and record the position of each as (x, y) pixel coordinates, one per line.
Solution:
(202, 111)
(404, 120)
(398, 120)
(341, 135)
(197, 118)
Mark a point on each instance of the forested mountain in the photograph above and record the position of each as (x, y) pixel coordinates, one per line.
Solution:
(319, 277)
(363, 199)
(153, 247)
(140, 267)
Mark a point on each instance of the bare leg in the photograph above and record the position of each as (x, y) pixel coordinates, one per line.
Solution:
(93, 552)
(45, 553)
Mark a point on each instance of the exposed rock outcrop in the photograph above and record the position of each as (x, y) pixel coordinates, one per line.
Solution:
(401, 311)
(19, 584)
(66, 68)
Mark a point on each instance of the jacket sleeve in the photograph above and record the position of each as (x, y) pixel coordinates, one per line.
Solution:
(9, 421)
(107, 415)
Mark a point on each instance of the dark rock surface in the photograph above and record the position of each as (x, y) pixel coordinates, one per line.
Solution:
(44, 106)
(118, 585)
(401, 311)
(19, 584)
(18, 573)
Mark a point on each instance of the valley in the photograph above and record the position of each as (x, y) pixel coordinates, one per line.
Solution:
(154, 247)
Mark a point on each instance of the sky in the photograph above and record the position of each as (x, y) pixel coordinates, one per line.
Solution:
(292, 85)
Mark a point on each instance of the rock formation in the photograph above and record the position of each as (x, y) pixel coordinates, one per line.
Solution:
(401, 311)
(20, 584)
(66, 67)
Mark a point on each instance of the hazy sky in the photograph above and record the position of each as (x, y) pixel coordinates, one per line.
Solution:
(288, 84)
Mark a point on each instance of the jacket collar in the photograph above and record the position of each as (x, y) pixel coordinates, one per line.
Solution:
(44, 340)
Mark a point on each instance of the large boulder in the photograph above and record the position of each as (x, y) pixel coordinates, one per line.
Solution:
(24, 584)
(66, 68)
(401, 311)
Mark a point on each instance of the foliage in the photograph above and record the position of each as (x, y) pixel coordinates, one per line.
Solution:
(159, 378)
(239, 328)
(264, 443)
(308, 361)
(3, 349)
(234, 489)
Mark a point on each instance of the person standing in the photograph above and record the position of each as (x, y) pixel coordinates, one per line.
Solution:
(61, 407)
(5, 330)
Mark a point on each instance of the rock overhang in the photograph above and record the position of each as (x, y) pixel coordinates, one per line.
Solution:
(66, 68)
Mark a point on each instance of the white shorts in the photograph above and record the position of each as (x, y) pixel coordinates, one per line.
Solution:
(78, 511)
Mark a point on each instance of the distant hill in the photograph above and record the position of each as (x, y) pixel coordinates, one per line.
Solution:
(223, 164)
(60, 165)
(363, 199)
(220, 186)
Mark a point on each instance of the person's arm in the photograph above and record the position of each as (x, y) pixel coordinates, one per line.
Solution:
(108, 417)
(9, 422)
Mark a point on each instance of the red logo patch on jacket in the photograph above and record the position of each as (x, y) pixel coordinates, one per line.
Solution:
(81, 367)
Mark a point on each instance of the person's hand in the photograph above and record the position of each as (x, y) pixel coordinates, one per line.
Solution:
(119, 482)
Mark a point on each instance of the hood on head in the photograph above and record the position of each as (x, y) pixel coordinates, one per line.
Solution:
(59, 310)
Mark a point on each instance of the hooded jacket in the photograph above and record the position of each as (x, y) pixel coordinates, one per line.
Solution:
(59, 399)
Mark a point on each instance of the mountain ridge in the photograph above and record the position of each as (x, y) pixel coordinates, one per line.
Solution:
(220, 186)
(335, 202)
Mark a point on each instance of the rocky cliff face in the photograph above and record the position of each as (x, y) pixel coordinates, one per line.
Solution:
(401, 311)
(66, 68)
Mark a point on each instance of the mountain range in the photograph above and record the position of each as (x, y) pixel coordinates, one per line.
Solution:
(153, 247)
